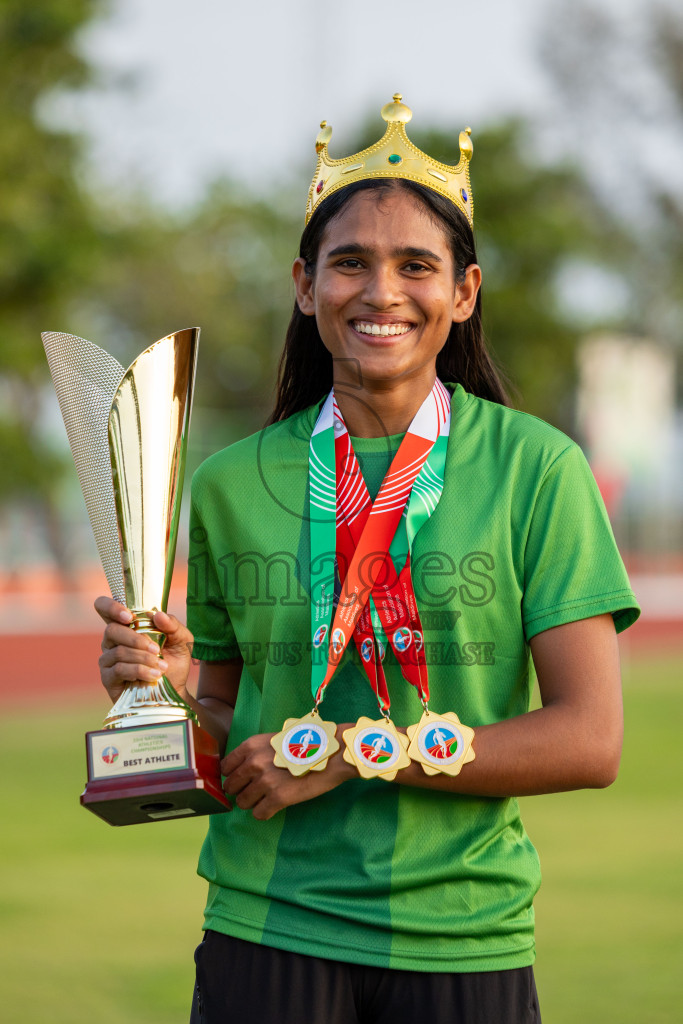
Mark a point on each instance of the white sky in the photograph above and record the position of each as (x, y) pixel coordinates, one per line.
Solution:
(223, 86)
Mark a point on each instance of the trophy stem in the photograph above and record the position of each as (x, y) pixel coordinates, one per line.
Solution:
(148, 703)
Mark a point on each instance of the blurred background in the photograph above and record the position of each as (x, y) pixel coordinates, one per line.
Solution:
(154, 163)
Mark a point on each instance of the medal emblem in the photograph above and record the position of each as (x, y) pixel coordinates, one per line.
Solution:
(338, 639)
(403, 638)
(304, 744)
(366, 649)
(376, 748)
(319, 635)
(441, 743)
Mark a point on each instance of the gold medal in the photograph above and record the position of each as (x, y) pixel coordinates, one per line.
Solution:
(441, 743)
(305, 744)
(377, 749)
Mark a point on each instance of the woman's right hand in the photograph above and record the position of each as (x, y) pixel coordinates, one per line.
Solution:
(128, 655)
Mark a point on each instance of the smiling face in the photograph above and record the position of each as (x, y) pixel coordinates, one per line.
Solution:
(383, 290)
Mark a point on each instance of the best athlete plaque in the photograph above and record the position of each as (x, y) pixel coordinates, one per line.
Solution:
(128, 436)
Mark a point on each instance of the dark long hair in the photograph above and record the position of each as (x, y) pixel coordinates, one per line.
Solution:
(305, 367)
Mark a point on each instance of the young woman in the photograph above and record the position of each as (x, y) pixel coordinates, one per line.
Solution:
(336, 896)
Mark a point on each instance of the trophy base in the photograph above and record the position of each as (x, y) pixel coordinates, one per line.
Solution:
(153, 773)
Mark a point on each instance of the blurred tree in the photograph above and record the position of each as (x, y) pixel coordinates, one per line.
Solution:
(48, 239)
(618, 83)
(116, 270)
(223, 265)
(532, 220)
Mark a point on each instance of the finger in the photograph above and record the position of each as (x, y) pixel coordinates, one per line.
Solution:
(127, 672)
(250, 771)
(233, 760)
(112, 611)
(267, 808)
(250, 796)
(238, 780)
(118, 635)
(167, 623)
(175, 630)
(126, 655)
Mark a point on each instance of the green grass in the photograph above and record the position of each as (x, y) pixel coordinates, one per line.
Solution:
(608, 915)
(99, 924)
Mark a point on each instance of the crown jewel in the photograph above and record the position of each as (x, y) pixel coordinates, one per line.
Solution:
(394, 156)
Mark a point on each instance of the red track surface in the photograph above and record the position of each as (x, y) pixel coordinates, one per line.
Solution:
(51, 669)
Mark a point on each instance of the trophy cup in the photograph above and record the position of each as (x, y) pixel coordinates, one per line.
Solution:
(128, 435)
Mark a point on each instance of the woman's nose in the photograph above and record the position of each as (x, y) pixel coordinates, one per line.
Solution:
(382, 289)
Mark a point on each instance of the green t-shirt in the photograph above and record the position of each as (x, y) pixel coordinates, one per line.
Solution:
(374, 872)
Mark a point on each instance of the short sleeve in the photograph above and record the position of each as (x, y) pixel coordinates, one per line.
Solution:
(207, 616)
(572, 567)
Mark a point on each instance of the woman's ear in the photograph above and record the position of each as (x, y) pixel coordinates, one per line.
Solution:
(466, 294)
(303, 283)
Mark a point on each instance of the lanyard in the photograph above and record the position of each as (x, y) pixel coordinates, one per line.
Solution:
(372, 544)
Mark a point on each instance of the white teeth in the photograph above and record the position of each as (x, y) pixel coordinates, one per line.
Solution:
(385, 329)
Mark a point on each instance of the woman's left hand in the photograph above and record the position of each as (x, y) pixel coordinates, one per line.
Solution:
(255, 783)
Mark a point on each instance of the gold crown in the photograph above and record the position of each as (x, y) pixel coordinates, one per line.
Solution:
(394, 156)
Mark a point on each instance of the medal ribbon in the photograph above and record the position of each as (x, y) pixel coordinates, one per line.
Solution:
(372, 542)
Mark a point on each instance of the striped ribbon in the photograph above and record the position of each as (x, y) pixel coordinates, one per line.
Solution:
(360, 551)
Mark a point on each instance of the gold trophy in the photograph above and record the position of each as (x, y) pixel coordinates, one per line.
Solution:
(128, 435)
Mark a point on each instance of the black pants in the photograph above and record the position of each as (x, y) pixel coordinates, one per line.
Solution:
(244, 983)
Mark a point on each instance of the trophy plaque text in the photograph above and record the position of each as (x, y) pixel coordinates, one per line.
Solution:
(128, 435)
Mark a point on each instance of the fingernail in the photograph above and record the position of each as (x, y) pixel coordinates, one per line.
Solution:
(163, 664)
(126, 616)
(153, 648)
(156, 672)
